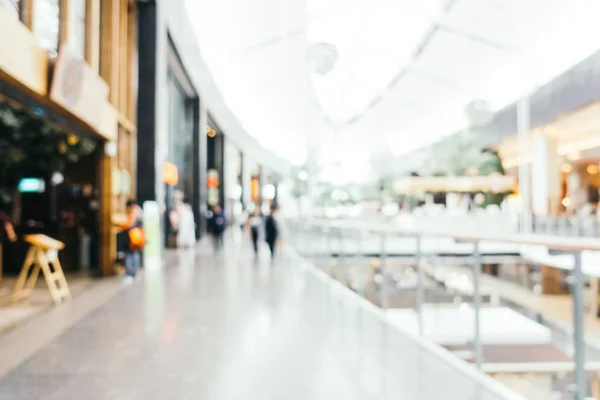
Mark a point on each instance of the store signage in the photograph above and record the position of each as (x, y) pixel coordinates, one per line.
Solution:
(494, 183)
(255, 190)
(32, 185)
(213, 197)
(170, 174)
(72, 80)
(78, 89)
(212, 180)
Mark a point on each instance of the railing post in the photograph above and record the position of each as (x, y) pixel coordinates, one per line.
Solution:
(329, 250)
(578, 342)
(359, 255)
(477, 304)
(420, 282)
(383, 290)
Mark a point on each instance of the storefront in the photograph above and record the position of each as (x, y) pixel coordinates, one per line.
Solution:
(67, 113)
(169, 117)
(215, 164)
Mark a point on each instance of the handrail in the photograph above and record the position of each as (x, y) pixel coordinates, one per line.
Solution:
(485, 381)
(574, 244)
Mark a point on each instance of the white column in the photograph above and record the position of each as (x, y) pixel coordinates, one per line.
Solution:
(524, 134)
(246, 178)
(545, 175)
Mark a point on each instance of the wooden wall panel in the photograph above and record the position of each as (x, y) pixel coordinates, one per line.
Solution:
(64, 17)
(123, 59)
(117, 29)
(132, 65)
(109, 46)
(108, 238)
(92, 34)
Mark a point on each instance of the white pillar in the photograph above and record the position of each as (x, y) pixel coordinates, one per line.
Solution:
(577, 188)
(524, 133)
(545, 176)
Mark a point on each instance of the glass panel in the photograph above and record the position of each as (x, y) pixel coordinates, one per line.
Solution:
(77, 27)
(12, 7)
(180, 134)
(46, 27)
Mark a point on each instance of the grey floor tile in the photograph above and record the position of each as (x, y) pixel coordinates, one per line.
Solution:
(205, 327)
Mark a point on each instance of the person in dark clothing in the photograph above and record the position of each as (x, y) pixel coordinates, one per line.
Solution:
(218, 225)
(6, 228)
(272, 230)
(254, 223)
(7, 235)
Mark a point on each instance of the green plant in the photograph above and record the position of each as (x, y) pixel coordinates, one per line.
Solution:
(492, 164)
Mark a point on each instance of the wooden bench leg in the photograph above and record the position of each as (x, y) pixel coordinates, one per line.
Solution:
(18, 291)
(62, 280)
(50, 278)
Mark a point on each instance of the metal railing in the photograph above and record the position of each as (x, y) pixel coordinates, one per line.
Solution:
(566, 226)
(348, 239)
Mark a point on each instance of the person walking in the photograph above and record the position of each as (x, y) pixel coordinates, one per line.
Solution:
(134, 238)
(6, 228)
(254, 223)
(218, 225)
(187, 225)
(272, 230)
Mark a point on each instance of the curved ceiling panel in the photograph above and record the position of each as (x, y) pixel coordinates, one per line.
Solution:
(399, 72)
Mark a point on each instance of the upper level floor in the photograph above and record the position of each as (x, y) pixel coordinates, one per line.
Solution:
(91, 40)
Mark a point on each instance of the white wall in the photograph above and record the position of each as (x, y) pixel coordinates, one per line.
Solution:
(176, 19)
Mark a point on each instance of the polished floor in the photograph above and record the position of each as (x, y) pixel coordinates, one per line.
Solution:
(13, 314)
(228, 327)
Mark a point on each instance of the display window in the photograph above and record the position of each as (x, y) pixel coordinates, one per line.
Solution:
(49, 185)
(46, 29)
(77, 28)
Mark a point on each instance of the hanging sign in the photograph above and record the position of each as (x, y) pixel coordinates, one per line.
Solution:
(170, 174)
(212, 197)
(212, 180)
(255, 189)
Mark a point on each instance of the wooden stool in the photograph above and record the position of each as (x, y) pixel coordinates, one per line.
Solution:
(42, 254)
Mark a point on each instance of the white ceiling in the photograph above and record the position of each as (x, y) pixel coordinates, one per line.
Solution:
(404, 72)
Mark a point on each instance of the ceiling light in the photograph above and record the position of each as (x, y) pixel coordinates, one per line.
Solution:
(322, 57)
(592, 169)
(479, 113)
(303, 175)
(57, 178)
